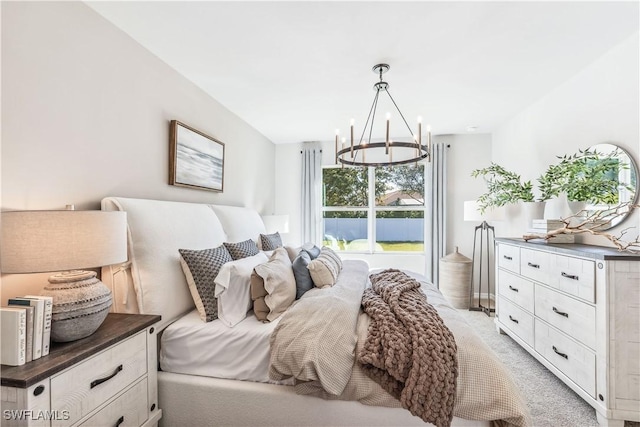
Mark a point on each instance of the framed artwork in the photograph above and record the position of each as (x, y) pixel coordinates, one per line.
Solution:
(196, 160)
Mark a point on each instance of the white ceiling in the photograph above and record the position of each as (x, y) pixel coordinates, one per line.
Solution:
(296, 71)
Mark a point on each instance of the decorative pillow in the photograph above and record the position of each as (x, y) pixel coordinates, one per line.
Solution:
(232, 288)
(270, 241)
(326, 268)
(313, 250)
(200, 268)
(243, 249)
(275, 285)
(302, 274)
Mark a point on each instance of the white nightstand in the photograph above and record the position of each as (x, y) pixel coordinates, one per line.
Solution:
(106, 379)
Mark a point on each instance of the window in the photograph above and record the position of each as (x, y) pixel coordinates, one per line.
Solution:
(374, 209)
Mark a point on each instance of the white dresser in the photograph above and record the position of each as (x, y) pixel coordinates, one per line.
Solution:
(576, 308)
(106, 379)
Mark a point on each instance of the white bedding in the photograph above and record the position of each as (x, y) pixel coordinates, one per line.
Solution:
(191, 346)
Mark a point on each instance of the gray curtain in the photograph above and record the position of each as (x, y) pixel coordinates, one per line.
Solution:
(311, 180)
(436, 210)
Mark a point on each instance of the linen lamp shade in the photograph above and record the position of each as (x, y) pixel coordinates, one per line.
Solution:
(279, 223)
(472, 212)
(66, 241)
(41, 241)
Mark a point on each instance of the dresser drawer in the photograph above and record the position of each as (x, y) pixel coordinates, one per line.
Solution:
(128, 410)
(535, 265)
(509, 257)
(516, 289)
(576, 318)
(88, 384)
(516, 320)
(575, 360)
(574, 276)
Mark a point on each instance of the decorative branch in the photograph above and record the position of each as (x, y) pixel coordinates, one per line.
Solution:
(592, 224)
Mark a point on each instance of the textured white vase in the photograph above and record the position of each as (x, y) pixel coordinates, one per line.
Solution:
(576, 207)
(557, 208)
(533, 210)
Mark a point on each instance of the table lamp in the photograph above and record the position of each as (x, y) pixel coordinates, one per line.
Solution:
(487, 232)
(279, 223)
(64, 242)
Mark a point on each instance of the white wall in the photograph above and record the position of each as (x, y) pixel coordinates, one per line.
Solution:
(599, 104)
(85, 114)
(466, 152)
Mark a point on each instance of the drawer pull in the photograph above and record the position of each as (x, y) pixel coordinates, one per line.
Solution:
(513, 289)
(97, 382)
(561, 313)
(513, 320)
(120, 421)
(532, 265)
(560, 354)
(569, 276)
(508, 258)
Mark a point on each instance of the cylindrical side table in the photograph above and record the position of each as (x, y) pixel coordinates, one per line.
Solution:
(455, 279)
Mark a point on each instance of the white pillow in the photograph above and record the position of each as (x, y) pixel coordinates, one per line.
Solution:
(233, 284)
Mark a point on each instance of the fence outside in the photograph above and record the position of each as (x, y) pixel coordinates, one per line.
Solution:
(387, 229)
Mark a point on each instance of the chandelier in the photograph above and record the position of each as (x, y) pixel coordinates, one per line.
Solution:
(387, 152)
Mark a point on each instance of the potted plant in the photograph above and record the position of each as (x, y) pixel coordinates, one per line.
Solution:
(584, 177)
(503, 187)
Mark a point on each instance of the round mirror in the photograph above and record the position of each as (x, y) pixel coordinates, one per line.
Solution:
(615, 177)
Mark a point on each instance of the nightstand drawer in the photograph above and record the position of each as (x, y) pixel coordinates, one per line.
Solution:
(128, 410)
(574, 360)
(574, 276)
(516, 289)
(535, 265)
(509, 258)
(517, 320)
(577, 319)
(88, 384)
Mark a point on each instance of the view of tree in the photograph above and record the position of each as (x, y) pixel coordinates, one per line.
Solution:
(348, 187)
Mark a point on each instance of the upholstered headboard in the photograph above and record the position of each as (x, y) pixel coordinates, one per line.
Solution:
(153, 281)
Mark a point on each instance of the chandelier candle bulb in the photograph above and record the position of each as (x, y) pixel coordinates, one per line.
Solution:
(337, 133)
(352, 123)
(387, 140)
(429, 141)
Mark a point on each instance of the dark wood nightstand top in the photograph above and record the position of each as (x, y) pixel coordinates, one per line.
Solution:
(115, 328)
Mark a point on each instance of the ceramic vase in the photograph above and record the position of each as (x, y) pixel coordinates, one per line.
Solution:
(533, 210)
(81, 302)
(557, 208)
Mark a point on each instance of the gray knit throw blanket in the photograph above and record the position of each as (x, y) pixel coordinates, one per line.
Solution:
(409, 351)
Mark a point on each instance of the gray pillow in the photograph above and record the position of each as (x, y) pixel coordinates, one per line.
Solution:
(270, 241)
(312, 250)
(242, 249)
(200, 268)
(302, 274)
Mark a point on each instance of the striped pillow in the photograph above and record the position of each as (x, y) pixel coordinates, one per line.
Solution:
(326, 268)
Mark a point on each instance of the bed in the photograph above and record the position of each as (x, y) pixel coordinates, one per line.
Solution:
(211, 374)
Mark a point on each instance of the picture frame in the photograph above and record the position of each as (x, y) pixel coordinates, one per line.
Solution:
(196, 160)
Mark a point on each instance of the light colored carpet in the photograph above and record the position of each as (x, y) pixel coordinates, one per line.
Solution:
(551, 402)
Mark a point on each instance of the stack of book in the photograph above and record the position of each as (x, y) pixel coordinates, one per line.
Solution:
(543, 226)
(26, 329)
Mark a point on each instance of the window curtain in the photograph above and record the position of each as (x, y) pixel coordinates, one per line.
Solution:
(437, 210)
(311, 208)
